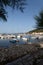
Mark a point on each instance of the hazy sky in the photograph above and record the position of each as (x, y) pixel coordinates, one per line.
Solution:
(21, 22)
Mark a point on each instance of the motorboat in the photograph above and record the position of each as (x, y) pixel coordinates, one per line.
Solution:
(25, 39)
(14, 40)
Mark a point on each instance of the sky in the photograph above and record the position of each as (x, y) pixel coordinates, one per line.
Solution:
(18, 22)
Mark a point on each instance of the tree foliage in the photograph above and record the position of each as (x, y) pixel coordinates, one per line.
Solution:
(19, 4)
(39, 20)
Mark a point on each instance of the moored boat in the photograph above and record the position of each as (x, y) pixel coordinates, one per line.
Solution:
(14, 40)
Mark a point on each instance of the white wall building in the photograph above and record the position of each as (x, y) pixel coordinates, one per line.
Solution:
(39, 33)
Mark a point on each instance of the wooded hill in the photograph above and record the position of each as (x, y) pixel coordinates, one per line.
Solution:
(35, 30)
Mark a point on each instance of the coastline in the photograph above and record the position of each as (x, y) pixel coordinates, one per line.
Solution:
(16, 51)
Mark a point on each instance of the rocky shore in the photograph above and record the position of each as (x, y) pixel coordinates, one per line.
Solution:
(17, 51)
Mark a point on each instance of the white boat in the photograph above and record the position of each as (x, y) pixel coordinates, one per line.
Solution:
(40, 37)
(25, 39)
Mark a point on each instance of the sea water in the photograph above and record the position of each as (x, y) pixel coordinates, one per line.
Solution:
(7, 43)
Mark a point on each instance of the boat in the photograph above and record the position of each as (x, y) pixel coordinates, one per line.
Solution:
(14, 40)
(24, 39)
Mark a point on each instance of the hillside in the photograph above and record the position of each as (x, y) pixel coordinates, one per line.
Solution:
(35, 30)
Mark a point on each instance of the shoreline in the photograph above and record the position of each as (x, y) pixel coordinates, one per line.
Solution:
(16, 51)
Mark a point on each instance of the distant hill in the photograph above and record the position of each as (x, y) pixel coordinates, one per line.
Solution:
(35, 30)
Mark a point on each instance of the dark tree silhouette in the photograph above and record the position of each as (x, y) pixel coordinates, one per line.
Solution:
(3, 14)
(19, 4)
(39, 20)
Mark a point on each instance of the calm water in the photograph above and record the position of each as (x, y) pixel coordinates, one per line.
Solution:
(7, 43)
(4, 43)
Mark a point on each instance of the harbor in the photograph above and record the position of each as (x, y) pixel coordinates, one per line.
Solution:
(21, 32)
(7, 40)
